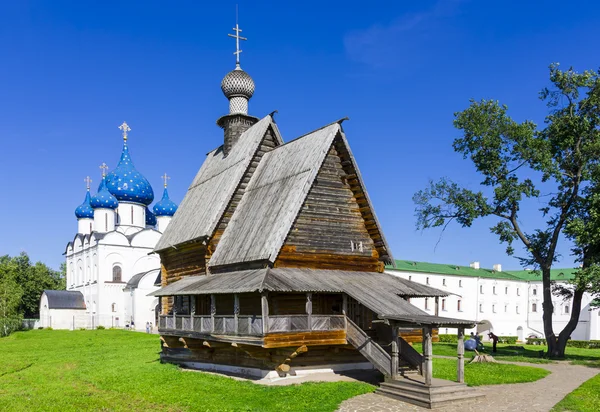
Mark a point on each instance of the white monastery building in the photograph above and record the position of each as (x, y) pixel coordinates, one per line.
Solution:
(505, 303)
(110, 270)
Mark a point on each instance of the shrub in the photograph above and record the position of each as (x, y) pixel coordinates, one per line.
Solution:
(507, 339)
(10, 325)
(49, 328)
(448, 338)
(100, 327)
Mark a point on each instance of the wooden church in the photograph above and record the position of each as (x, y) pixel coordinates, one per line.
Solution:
(274, 265)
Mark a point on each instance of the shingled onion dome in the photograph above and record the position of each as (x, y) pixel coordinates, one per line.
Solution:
(238, 87)
(165, 207)
(104, 199)
(85, 210)
(125, 182)
(150, 218)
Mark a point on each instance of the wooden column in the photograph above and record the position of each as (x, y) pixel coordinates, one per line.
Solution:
(213, 311)
(460, 368)
(264, 303)
(437, 306)
(309, 309)
(236, 311)
(395, 351)
(345, 310)
(427, 355)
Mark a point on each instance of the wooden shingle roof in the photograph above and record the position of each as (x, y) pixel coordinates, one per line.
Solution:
(212, 188)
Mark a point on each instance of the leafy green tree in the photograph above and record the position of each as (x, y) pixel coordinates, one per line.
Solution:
(10, 296)
(509, 155)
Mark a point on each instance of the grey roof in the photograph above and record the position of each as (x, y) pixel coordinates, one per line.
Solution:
(430, 320)
(135, 279)
(212, 188)
(382, 293)
(64, 299)
(273, 198)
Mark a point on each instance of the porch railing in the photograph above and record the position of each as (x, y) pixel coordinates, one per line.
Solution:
(251, 325)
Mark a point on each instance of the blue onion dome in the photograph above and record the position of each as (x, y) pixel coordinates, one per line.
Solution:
(84, 210)
(150, 218)
(127, 184)
(104, 199)
(165, 207)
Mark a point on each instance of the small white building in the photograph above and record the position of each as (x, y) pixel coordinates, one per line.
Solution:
(110, 268)
(506, 303)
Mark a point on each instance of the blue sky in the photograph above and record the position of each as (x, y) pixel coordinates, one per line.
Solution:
(72, 72)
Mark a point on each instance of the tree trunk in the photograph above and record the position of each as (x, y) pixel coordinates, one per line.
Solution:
(548, 309)
(565, 334)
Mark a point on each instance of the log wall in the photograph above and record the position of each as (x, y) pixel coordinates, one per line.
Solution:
(330, 230)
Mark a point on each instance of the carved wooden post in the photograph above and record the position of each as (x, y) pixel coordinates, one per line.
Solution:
(395, 351)
(264, 303)
(427, 355)
(213, 311)
(437, 306)
(345, 310)
(236, 311)
(460, 370)
(309, 309)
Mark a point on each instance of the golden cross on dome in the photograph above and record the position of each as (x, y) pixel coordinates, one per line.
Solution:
(87, 181)
(165, 178)
(104, 168)
(237, 38)
(125, 128)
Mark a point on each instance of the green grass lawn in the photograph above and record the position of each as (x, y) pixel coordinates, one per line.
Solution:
(520, 353)
(586, 398)
(477, 374)
(116, 370)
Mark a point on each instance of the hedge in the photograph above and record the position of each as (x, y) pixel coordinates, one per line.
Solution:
(585, 344)
(454, 338)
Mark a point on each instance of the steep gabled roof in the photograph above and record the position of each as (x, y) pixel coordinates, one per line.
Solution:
(212, 188)
(273, 199)
(275, 195)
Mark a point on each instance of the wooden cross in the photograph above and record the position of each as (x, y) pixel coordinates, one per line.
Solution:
(104, 168)
(165, 178)
(237, 38)
(87, 181)
(125, 128)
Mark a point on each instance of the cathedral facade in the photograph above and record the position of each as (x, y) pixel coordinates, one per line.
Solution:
(110, 268)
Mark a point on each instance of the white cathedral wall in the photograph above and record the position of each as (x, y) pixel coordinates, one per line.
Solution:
(162, 222)
(131, 214)
(85, 226)
(104, 220)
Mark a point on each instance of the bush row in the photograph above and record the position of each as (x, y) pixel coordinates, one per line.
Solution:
(449, 338)
(585, 344)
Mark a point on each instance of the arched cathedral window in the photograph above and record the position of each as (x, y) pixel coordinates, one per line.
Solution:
(117, 274)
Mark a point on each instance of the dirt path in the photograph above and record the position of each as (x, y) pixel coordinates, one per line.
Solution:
(539, 396)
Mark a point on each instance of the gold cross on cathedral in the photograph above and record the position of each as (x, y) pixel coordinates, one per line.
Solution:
(165, 178)
(87, 181)
(104, 168)
(125, 128)
(237, 38)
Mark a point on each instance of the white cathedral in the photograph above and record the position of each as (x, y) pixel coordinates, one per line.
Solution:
(110, 268)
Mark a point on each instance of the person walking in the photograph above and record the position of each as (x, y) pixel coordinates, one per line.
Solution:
(147, 327)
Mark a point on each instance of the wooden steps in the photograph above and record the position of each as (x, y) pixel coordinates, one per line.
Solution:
(441, 393)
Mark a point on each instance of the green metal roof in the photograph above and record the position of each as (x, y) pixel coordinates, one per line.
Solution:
(446, 269)
(555, 274)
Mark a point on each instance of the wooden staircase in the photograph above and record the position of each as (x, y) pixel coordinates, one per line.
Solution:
(374, 353)
(441, 392)
(409, 384)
